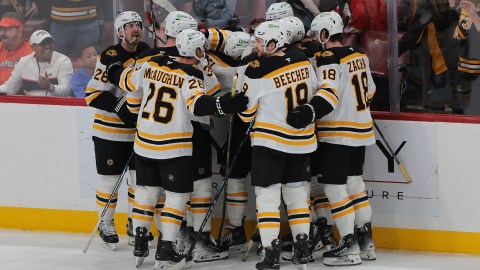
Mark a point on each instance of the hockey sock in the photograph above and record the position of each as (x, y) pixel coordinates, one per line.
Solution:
(320, 202)
(200, 202)
(172, 214)
(132, 186)
(268, 213)
(143, 211)
(296, 198)
(237, 198)
(105, 188)
(158, 209)
(342, 209)
(356, 192)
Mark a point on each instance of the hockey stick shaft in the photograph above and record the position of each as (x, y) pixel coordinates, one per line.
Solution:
(154, 25)
(249, 245)
(183, 262)
(400, 165)
(115, 190)
(227, 161)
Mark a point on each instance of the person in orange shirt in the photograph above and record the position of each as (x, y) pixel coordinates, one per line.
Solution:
(13, 44)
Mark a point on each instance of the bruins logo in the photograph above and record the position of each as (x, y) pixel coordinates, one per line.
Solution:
(327, 53)
(110, 162)
(254, 64)
(111, 53)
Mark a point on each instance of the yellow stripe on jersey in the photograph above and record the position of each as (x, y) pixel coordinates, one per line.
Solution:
(333, 99)
(156, 137)
(285, 130)
(215, 39)
(108, 118)
(91, 96)
(169, 70)
(470, 61)
(214, 90)
(326, 86)
(72, 9)
(287, 68)
(344, 123)
(76, 18)
(351, 56)
(218, 61)
(262, 135)
(129, 131)
(347, 134)
(162, 147)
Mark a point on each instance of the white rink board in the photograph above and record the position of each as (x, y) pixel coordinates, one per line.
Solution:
(47, 162)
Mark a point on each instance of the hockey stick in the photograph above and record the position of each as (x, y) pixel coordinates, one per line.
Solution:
(229, 141)
(249, 244)
(115, 189)
(183, 263)
(392, 153)
(154, 25)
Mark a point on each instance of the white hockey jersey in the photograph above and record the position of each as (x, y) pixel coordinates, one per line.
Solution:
(275, 85)
(107, 125)
(169, 93)
(224, 68)
(345, 81)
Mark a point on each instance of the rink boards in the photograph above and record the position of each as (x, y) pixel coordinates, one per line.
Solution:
(49, 177)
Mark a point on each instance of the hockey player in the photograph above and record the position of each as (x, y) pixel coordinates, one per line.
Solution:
(275, 83)
(172, 91)
(279, 10)
(224, 65)
(114, 125)
(197, 207)
(344, 129)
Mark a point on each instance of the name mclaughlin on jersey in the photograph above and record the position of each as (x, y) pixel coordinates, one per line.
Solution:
(291, 77)
(163, 77)
(356, 64)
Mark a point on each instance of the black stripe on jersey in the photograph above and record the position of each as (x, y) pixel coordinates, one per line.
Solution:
(163, 142)
(142, 212)
(322, 200)
(247, 115)
(260, 220)
(265, 65)
(340, 209)
(331, 92)
(134, 105)
(297, 216)
(283, 135)
(108, 124)
(105, 200)
(159, 205)
(171, 215)
(350, 129)
(237, 200)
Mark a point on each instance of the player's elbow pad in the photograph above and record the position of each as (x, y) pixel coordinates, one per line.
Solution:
(321, 107)
(205, 105)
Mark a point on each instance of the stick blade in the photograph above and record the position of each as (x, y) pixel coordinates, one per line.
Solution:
(181, 265)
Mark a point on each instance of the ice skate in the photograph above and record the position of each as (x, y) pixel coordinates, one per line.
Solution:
(326, 233)
(365, 241)
(250, 243)
(287, 248)
(301, 251)
(314, 237)
(272, 257)
(233, 241)
(131, 237)
(182, 237)
(347, 252)
(141, 245)
(108, 234)
(206, 249)
(167, 255)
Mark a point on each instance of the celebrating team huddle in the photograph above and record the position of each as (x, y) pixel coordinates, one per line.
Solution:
(299, 124)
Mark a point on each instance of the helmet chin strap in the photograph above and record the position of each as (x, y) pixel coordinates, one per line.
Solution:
(324, 46)
(269, 53)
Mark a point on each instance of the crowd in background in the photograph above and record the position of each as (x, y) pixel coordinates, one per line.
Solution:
(439, 56)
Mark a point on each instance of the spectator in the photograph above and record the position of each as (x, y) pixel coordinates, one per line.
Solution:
(75, 23)
(80, 79)
(215, 13)
(42, 73)
(13, 43)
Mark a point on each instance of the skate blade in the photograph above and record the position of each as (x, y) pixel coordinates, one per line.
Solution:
(318, 246)
(301, 266)
(205, 256)
(286, 256)
(139, 261)
(343, 261)
(183, 264)
(111, 246)
(311, 258)
(368, 255)
(248, 248)
(237, 249)
(131, 241)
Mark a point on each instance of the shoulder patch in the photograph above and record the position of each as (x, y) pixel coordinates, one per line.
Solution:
(254, 64)
(111, 53)
(326, 54)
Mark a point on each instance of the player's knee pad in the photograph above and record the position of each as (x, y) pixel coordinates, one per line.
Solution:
(133, 178)
(108, 182)
(268, 196)
(236, 185)
(355, 185)
(295, 192)
(147, 195)
(202, 188)
(336, 193)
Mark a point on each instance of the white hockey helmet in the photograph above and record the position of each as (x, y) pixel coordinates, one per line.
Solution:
(177, 21)
(188, 41)
(330, 21)
(271, 31)
(124, 18)
(236, 43)
(279, 10)
(294, 27)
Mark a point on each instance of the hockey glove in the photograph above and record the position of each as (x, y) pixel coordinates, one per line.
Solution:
(301, 116)
(128, 118)
(112, 69)
(228, 104)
